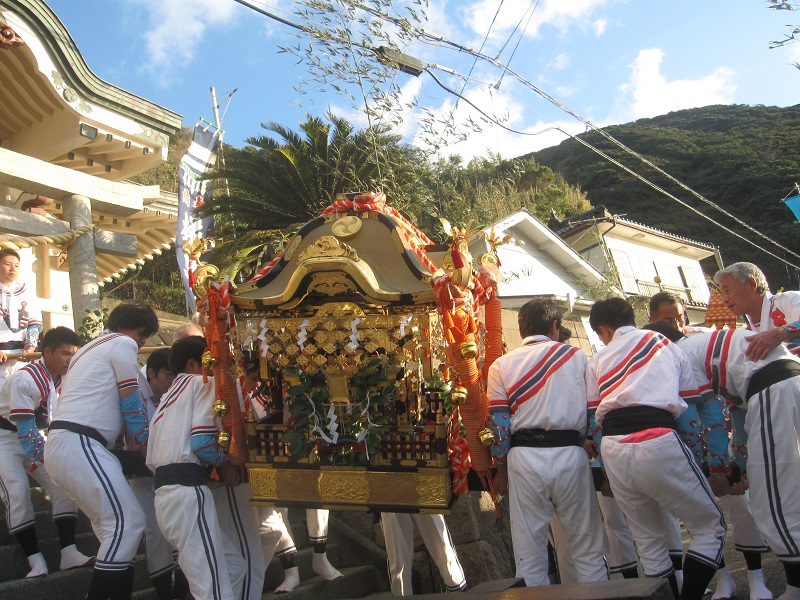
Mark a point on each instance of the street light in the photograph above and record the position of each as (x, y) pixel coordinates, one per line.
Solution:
(404, 62)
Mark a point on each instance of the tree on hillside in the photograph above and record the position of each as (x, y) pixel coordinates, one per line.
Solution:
(280, 181)
(490, 188)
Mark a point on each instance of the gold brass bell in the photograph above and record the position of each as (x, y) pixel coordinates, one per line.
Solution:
(468, 349)
(209, 361)
(487, 436)
(220, 407)
(224, 439)
(458, 394)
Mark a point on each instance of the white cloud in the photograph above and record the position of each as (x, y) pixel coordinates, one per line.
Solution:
(556, 13)
(599, 26)
(648, 93)
(560, 62)
(177, 27)
(494, 138)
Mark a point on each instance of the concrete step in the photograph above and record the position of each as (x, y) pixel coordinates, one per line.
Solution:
(14, 565)
(45, 529)
(66, 585)
(303, 558)
(63, 585)
(357, 582)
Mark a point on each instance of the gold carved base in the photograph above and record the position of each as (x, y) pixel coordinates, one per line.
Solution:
(343, 488)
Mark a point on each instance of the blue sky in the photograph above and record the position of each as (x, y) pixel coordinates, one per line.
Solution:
(611, 61)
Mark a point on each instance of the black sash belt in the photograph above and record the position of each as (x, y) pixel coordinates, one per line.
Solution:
(16, 345)
(541, 438)
(7, 425)
(189, 474)
(132, 463)
(771, 374)
(624, 421)
(89, 432)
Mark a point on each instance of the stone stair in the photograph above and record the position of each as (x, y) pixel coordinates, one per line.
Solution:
(355, 557)
(363, 568)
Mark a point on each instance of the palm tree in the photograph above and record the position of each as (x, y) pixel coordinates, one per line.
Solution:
(279, 182)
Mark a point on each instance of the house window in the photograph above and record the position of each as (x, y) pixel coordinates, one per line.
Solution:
(690, 281)
(627, 276)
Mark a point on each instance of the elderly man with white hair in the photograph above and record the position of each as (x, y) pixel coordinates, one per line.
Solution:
(774, 318)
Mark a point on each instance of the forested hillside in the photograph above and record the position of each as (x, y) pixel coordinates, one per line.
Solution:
(744, 158)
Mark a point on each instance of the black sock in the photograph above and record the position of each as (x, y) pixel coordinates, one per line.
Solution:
(722, 564)
(180, 587)
(102, 583)
(792, 574)
(27, 539)
(124, 590)
(163, 585)
(66, 530)
(287, 561)
(630, 573)
(696, 577)
(320, 547)
(673, 584)
(753, 560)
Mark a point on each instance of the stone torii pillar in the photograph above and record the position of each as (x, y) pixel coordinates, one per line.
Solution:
(81, 259)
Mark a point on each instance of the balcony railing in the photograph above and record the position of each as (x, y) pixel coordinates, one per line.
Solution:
(690, 297)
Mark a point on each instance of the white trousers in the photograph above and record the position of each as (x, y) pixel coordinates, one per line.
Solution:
(188, 519)
(621, 552)
(746, 535)
(15, 487)
(773, 465)
(658, 475)
(93, 478)
(160, 554)
(275, 531)
(398, 533)
(238, 519)
(547, 481)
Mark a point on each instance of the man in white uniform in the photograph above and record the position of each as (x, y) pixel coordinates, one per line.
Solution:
(20, 317)
(398, 533)
(99, 392)
(639, 383)
(771, 389)
(538, 407)
(27, 401)
(154, 380)
(183, 446)
(775, 319)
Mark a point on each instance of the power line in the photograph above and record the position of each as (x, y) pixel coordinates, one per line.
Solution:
(420, 32)
(605, 156)
(406, 26)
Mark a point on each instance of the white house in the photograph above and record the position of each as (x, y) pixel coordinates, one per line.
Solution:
(646, 260)
(540, 264)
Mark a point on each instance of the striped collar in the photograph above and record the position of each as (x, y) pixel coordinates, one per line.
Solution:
(535, 339)
(622, 331)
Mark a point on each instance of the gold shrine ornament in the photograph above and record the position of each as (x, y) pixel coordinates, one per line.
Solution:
(209, 361)
(487, 436)
(220, 407)
(224, 439)
(468, 349)
(458, 394)
(346, 227)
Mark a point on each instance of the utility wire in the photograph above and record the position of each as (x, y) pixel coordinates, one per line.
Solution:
(608, 158)
(423, 34)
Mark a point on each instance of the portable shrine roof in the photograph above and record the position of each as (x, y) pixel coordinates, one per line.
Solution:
(370, 257)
